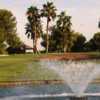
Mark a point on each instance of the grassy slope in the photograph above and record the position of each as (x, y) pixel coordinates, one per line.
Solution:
(22, 67)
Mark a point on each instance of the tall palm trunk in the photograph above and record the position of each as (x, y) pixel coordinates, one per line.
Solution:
(47, 36)
(64, 45)
(65, 49)
(35, 42)
(35, 46)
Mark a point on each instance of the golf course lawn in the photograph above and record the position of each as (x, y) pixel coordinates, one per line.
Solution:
(24, 67)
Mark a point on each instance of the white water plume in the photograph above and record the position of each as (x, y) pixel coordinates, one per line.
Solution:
(77, 75)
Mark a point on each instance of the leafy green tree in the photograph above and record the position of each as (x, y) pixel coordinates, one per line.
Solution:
(14, 41)
(2, 37)
(52, 44)
(64, 28)
(94, 43)
(33, 27)
(2, 45)
(7, 22)
(60, 39)
(7, 28)
(78, 42)
(48, 11)
(89, 46)
(96, 39)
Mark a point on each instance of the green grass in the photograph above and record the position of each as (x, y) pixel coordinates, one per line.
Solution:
(94, 54)
(23, 67)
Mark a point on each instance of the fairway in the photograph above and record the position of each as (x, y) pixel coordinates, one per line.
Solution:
(26, 67)
(23, 67)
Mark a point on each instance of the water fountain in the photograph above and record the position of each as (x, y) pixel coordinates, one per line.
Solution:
(75, 85)
(77, 75)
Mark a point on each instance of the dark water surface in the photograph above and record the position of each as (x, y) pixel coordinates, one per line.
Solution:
(39, 92)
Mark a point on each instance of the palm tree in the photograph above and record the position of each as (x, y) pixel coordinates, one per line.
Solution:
(33, 27)
(64, 26)
(48, 11)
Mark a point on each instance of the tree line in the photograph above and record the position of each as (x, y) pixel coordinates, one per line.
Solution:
(59, 37)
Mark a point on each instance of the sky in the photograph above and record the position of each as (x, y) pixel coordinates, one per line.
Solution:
(85, 14)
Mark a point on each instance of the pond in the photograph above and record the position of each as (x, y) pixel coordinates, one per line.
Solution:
(78, 77)
(45, 92)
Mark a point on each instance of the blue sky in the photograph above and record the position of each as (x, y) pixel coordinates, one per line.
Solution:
(85, 14)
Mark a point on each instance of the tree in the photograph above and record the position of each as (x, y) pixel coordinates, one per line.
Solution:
(33, 27)
(96, 39)
(64, 28)
(2, 45)
(94, 43)
(7, 28)
(14, 41)
(89, 46)
(7, 22)
(78, 42)
(48, 11)
(60, 39)
(2, 38)
(52, 44)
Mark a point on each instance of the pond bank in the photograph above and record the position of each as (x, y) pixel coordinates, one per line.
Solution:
(34, 82)
(13, 66)
(70, 56)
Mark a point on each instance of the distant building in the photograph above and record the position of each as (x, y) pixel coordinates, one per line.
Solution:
(16, 50)
(24, 48)
(20, 50)
(28, 49)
